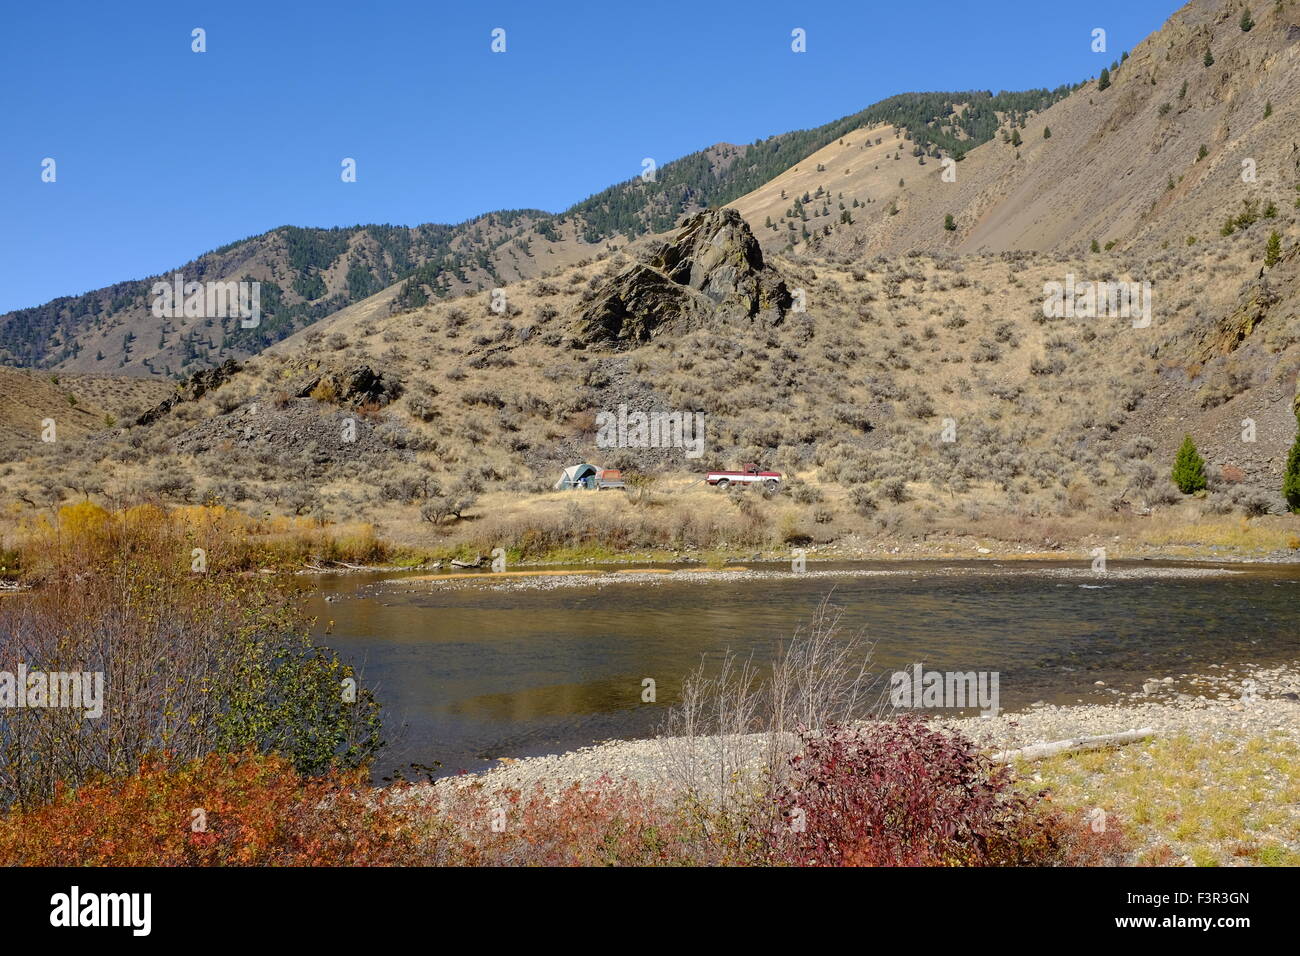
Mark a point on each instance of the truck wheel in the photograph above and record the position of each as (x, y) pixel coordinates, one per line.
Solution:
(723, 483)
(773, 485)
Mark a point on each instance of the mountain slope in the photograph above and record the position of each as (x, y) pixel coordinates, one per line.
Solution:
(307, 274)
(1147, 163)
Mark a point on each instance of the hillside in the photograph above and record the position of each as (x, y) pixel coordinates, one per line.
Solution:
(1062, 429)
(308, 274)
(1151, 163)
(305, 275)
(79, 405)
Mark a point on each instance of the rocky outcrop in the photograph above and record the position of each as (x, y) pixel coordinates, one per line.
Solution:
(712, 272)
(195, 387)
(1270, 298)
(356, 385)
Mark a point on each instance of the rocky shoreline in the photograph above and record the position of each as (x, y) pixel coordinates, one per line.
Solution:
(1228, 703)
(539, 580)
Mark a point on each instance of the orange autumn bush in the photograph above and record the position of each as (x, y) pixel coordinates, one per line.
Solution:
(255, 810)
(222, 810)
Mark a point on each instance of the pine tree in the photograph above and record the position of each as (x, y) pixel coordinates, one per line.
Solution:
(949, 223)
(1291, 475)
(1246, 21)
(1103, 81)
(1209, 57)
(1047, 132)
(1189, 468)
(1273, 251)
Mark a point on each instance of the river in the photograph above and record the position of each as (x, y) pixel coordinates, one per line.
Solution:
(470, 672)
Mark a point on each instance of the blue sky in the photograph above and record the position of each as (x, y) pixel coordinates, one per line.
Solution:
(163, 153)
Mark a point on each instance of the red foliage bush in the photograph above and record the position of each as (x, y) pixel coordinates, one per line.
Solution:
(900, 794)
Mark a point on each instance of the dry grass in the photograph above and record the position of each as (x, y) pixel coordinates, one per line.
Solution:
(1216, 802)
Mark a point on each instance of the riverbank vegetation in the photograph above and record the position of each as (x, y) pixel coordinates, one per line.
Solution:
(670, 524)
(900, 795)
(191, 660)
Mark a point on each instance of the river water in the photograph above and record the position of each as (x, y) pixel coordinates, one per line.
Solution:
(470, 672)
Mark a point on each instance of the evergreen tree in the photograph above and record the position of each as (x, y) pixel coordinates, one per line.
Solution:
(1246, 21)
(1291, 475)
(949, 224)
(1189, 468)
(1209, 57)
(1047, 132)
(1103, 81)
(1273, 251)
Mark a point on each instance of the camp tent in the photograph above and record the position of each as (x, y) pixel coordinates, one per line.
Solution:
(578, 476)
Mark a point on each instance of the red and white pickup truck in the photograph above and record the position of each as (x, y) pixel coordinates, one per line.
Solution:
(748, 475)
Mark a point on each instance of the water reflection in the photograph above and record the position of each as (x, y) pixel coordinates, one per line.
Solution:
(470, 674)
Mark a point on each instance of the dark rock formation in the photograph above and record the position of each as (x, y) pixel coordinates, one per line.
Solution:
(358, 385)
(712, 272)
(198, 385)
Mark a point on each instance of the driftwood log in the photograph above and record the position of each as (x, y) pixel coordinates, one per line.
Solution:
(1041, 751)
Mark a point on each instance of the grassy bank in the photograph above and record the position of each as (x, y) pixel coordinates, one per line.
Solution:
(1189, 800)
(700, 526)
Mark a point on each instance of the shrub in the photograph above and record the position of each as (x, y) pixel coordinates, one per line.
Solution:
(862, 501)
(895, 489)
(325, 391)
(900, 794)
(195, 663)
(1189, 468)
(253, 811)
(422, 407)
(1254, 504)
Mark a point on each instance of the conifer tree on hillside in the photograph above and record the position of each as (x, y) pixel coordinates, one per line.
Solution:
(1273, 251)
(1103, 81)
(1291, 475)
(1189, 468)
